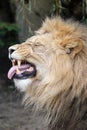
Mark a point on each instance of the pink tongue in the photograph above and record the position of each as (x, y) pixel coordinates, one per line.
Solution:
(13, 69)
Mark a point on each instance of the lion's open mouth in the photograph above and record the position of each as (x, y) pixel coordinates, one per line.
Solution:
(21, 70)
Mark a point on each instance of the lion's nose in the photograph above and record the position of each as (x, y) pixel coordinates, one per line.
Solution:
(10, 51)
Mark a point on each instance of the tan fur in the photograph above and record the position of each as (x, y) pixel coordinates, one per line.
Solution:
(59, 51)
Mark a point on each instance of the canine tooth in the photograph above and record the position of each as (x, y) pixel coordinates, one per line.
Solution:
(17, 71)
(19, 63)
(13, 62)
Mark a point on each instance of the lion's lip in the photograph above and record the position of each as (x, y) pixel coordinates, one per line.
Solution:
(21, 70)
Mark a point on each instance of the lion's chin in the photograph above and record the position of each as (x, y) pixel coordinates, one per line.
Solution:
(22, 85)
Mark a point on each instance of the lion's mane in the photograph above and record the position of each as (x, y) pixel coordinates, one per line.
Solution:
(64, 98)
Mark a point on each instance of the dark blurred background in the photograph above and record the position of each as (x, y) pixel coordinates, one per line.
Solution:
(20, 18)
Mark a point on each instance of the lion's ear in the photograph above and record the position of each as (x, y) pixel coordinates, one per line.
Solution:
(73, 47)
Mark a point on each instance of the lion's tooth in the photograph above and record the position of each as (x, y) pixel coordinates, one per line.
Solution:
(17, 71)
(13, 62)
(19, 63)
(30, 69)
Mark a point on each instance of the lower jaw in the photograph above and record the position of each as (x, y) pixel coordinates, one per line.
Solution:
(20, 77)
(24, 76)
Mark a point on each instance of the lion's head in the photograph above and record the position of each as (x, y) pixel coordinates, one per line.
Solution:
(51, 68)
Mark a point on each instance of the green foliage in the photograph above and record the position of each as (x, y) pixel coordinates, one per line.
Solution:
(7, 33)
(8, 26)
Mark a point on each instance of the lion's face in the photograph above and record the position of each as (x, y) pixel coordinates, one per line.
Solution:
(39, 59)
(31, 61)
(44, 63)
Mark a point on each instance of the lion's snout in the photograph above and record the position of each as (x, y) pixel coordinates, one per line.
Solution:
(11, 50)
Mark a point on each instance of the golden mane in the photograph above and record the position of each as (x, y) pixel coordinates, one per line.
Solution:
(66, 106)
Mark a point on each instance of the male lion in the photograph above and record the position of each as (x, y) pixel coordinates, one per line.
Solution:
(51, 68)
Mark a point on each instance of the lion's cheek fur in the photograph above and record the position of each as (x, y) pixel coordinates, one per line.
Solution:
(61, 74)
(58, 79)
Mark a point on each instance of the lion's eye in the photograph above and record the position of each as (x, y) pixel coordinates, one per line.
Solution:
(38, 47)
(37, 44)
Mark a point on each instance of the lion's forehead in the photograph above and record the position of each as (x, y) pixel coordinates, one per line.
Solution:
(43, 39)
(38, 44)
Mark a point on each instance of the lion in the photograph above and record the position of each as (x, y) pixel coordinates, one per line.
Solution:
(51, 69)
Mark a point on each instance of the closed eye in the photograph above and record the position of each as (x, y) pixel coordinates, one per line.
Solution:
(37, 44)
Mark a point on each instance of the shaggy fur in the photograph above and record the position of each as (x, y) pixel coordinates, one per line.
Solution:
(59, 52)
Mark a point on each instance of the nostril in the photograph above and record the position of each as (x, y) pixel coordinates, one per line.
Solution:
(11, 51)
